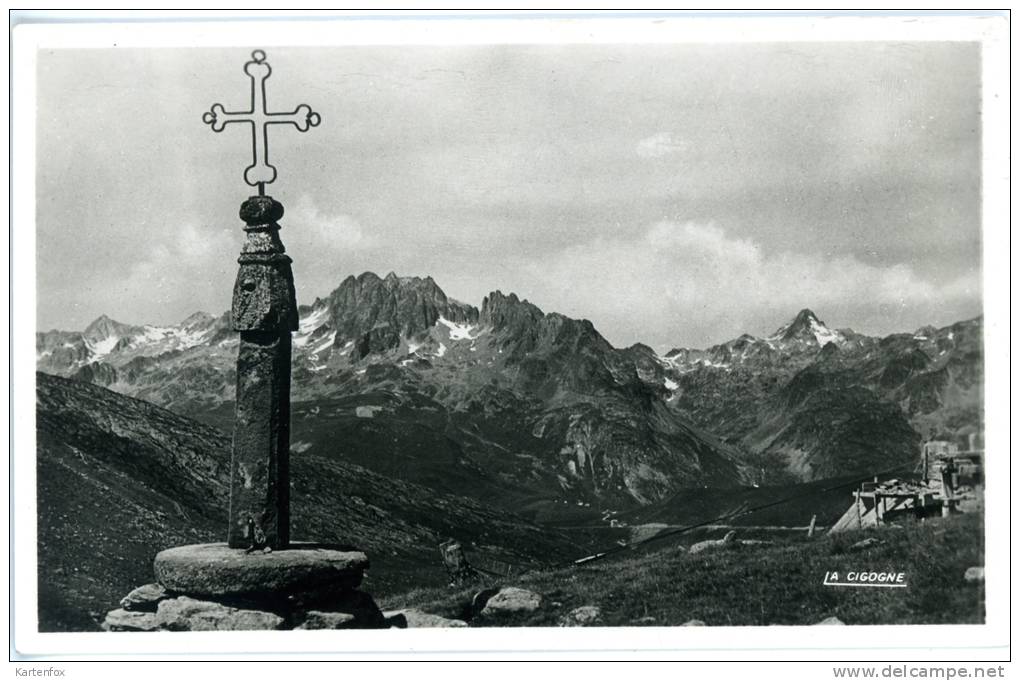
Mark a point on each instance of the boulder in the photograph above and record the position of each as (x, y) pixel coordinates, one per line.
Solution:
(584, 616)
(190, 614)
(511, 599)
(412, 618)
(644, 621)
(316, 619)
(712, 543)
(215, 570)
(357, 604)
(693, 623)
(130, 620)
(974, 574)
(830, 621)
(865, 544)
(144, 598)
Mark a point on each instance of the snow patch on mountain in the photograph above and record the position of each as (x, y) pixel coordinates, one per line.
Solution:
(824, 334)
(102, 348)
(458, 331)
(308, 325)
(326, 344)
(173, 337)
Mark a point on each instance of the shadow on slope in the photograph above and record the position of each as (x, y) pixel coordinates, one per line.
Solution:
(120, 479)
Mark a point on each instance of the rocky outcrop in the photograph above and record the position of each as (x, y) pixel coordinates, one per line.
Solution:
(128, 620)
(315, 619)
(712, 544)
(407, 306)
(145, 598)
(99, 373)
(584, 616)
(511, 599)
(189, 614)
(412, 618)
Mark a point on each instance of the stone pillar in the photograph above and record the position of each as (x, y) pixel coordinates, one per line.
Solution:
(264, 311)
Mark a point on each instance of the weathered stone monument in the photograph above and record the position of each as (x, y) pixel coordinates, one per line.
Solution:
(258, 579)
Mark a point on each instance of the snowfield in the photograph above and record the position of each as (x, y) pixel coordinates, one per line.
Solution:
(458, 331)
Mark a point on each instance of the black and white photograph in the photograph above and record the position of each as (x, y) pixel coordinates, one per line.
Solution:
(557, 327)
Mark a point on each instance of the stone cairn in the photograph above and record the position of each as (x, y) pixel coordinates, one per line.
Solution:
(259, 578)
(208, 587)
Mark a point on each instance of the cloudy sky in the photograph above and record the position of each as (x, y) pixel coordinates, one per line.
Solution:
(677, 195)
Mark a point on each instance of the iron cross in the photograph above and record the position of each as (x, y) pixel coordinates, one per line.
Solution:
(260, 172)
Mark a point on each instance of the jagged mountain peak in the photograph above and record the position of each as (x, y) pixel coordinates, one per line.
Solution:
(99, 323)
(804, 319)
(378, 314)
(806, 327)
(104, 327)
(502, 311)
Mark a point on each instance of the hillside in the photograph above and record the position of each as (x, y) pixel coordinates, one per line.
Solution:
(760, 585)
(120, 480)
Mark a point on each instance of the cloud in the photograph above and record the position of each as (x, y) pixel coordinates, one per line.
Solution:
(659, 145)
(692, 282)
(333, 231)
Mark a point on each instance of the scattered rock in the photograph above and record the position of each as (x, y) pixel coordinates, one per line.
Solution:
(585, 616)
(189, 614)
(350, 601)
(395, 620)
(316, 619)
(831, 621)
(865, 544)
(755, 542)
(647, 619)
(693, 623)
(412, 618)
(512, 599)
(974, 574)
(129, 620)
(713, 543)
(144, 598)
(217, 570)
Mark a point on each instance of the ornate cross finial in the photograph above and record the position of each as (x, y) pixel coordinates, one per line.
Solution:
(260, 173)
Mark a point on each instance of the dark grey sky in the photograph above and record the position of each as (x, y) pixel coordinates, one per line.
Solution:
(673, 194)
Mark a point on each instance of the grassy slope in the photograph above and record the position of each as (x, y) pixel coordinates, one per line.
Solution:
(120, 479)
(761, 585)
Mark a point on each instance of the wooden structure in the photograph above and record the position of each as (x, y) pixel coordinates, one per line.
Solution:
(951, 481)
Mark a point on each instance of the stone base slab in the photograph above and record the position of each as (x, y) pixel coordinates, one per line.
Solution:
(215, 570)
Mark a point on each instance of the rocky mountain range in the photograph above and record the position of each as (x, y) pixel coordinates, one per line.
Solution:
(809, 402)
(525, 408)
